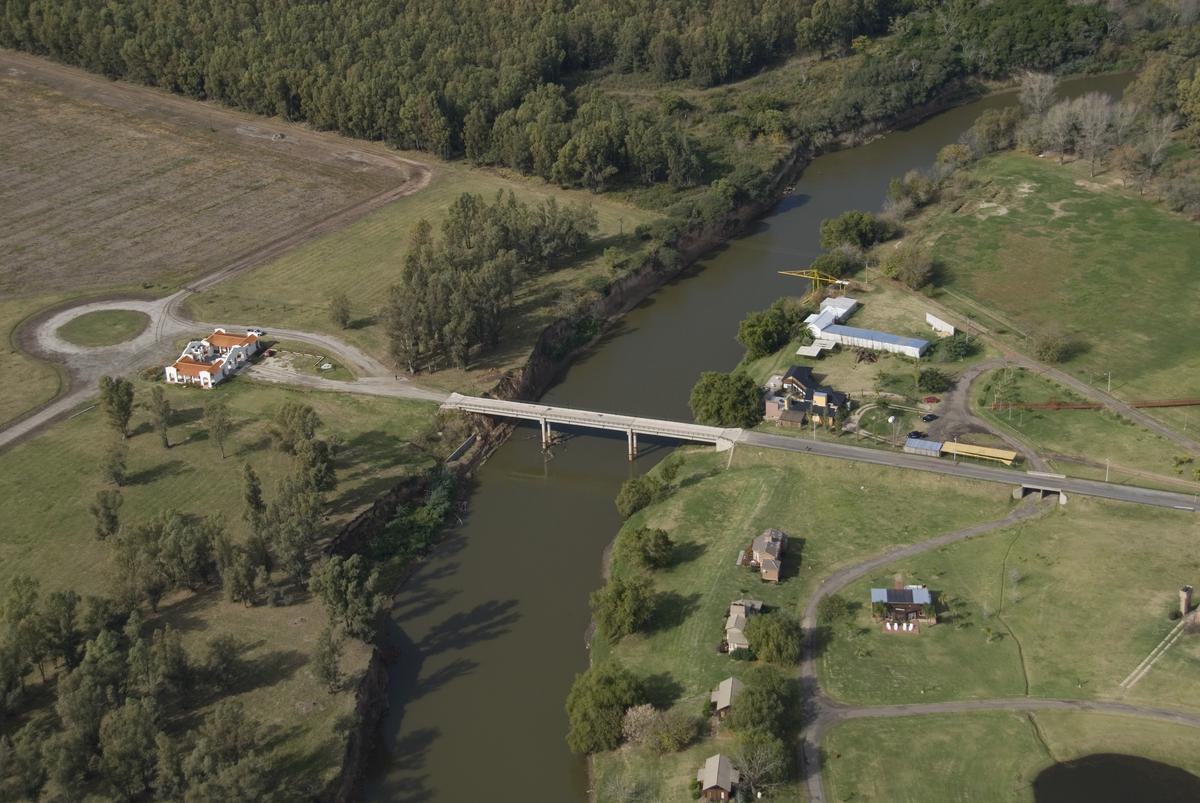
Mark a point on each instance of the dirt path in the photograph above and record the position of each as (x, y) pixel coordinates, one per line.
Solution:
(84, 366)
(1079, 386)
(956, 419)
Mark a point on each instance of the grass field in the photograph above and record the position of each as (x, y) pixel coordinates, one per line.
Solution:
(96, 196)
(47, 483)
(1078, 441)
(835, 513)
(365, 258)
(1066, 605)
(105, 327)
(984, 756)
(1038, 246)
(28, 382)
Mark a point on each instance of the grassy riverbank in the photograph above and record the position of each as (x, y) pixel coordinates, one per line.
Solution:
(836, 513)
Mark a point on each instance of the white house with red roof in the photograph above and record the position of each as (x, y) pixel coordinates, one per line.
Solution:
(206, 362)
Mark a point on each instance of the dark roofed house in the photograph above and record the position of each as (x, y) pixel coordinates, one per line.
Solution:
(911, 604)
(805, 395)
(718, 778)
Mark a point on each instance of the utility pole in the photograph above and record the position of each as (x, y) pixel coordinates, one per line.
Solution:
(956, 450)
(1109, 375)
(1106, 469)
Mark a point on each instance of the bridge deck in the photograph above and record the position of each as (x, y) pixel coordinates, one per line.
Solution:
(588, 418)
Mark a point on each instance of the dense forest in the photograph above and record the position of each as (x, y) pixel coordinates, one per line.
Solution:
(512, 82)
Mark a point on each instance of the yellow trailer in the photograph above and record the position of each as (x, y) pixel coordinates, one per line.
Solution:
(984, 452)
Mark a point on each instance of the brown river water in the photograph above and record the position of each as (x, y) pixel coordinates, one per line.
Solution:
(491, 629)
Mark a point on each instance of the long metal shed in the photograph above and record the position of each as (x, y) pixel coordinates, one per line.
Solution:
(922, 446)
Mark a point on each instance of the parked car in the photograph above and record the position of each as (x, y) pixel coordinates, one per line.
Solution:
(256, 332)
(916, 433)
(928, 417)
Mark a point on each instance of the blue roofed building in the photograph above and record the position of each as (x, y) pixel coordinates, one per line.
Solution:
(909, 604)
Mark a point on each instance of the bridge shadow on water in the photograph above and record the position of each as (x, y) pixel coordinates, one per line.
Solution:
(1115, 778)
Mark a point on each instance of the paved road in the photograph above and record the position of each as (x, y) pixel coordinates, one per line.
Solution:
(1122, 493)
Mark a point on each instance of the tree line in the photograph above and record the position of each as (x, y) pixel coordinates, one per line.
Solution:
(455, 290)
(488, 80)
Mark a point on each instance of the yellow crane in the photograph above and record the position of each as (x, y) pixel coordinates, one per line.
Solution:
(818, 279)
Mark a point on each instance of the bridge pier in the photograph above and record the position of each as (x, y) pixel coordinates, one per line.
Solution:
(632, 445)
(545, 433)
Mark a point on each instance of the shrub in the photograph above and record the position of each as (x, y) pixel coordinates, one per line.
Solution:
(838, 263)
(908, 263)
(832, 608)
(931, 380)
(956, 347)
(596, 707)
(637, 493)
(742, 654)
(623, 606)
(650, 548)
(860, 229)
(764, 703)
(1050, 347)
(726, 400)
(776, 637)
(762, 333)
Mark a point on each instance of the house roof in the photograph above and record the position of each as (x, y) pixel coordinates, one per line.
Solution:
(736, 621)
(726, 692)
(803, 376)
(224, 340)
(881, 337)
(186, 366)
(844, 305)
(718, 773)
(923, 445)
(771, 565)
(770, 542)
(735, 638)
(913, 595)
(748, 604)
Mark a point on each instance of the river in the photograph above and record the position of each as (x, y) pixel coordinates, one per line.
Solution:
(491, 629)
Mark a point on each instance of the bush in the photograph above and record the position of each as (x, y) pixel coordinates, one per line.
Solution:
(764, 703)
(859, 229)
(908, 263)
(931, 380)
(762, 333)
(1050, 347)
(623, 606)
(743, 654)
(776, 637)
(637, 493)
(956, 347)
(841, 262)
(596, 707)
(726, 400)
(832, 608)
(650, 548)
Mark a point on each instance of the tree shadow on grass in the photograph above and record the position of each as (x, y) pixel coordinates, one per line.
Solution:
(661, 690)
(169, 468)
(671, 609)
(792, 558)
(686, 552)
(696, 479)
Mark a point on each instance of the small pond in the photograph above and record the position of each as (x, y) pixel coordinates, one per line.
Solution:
(1115, 778)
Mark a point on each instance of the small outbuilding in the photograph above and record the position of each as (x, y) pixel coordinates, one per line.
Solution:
(911, 604)
(724, 695)
(718, 778)
(922, 446)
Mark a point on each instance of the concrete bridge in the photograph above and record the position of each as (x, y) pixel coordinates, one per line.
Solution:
(632, 426)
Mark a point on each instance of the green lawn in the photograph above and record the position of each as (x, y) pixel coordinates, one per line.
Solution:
(992, 756)
(365, 258)
(1072, 601)
(105, 327)
(1078, 441)
(1037, 246)
(836, 513)
(47, 483)
(28, 383)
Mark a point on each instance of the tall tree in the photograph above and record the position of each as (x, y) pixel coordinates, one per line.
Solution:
(1037, 92)
(160, 414)
(339, 310)
(349, 591)
(116, 400)
(218, 422)
(105, 510)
